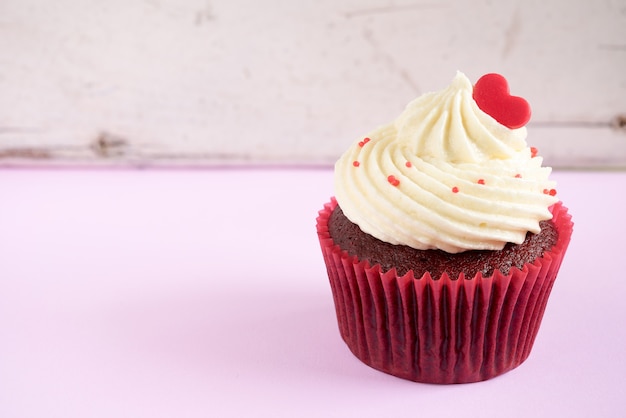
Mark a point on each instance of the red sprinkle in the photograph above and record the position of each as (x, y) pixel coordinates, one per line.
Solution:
(481, 181)
(365, 141)
(551, 192)
(408, 164)
(393, 180)
(533, 152)
(356, 163)
(518, 176)
(455, 189)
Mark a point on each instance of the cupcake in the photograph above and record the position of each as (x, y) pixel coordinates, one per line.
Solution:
(444, 238)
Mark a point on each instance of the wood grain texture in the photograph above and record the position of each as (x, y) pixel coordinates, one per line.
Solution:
(200, 82)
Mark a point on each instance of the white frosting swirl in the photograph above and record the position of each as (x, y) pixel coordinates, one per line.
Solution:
(445, 175)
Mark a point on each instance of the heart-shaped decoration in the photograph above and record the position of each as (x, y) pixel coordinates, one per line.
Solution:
(491, 93)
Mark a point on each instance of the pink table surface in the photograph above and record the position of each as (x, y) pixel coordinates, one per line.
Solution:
(190, 293)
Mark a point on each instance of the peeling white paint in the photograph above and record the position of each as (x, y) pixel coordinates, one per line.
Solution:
(213, 82)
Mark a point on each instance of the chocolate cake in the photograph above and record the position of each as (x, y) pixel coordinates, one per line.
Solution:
(350, 238)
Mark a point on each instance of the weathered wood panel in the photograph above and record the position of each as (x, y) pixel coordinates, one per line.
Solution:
(294, 82)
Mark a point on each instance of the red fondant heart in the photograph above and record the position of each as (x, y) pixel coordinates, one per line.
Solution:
(491, 94)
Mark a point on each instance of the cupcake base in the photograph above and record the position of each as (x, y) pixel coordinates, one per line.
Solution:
(439, 330)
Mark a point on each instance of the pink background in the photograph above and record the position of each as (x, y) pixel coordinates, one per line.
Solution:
(189, 293)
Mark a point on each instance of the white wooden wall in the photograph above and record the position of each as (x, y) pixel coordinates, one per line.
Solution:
(205, 82)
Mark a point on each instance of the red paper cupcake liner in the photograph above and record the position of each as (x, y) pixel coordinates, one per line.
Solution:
(439, 330)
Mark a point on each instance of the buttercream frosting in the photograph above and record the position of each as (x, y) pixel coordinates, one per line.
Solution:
(445, 175)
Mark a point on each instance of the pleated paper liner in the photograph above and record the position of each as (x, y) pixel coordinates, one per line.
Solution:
(439, 330)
